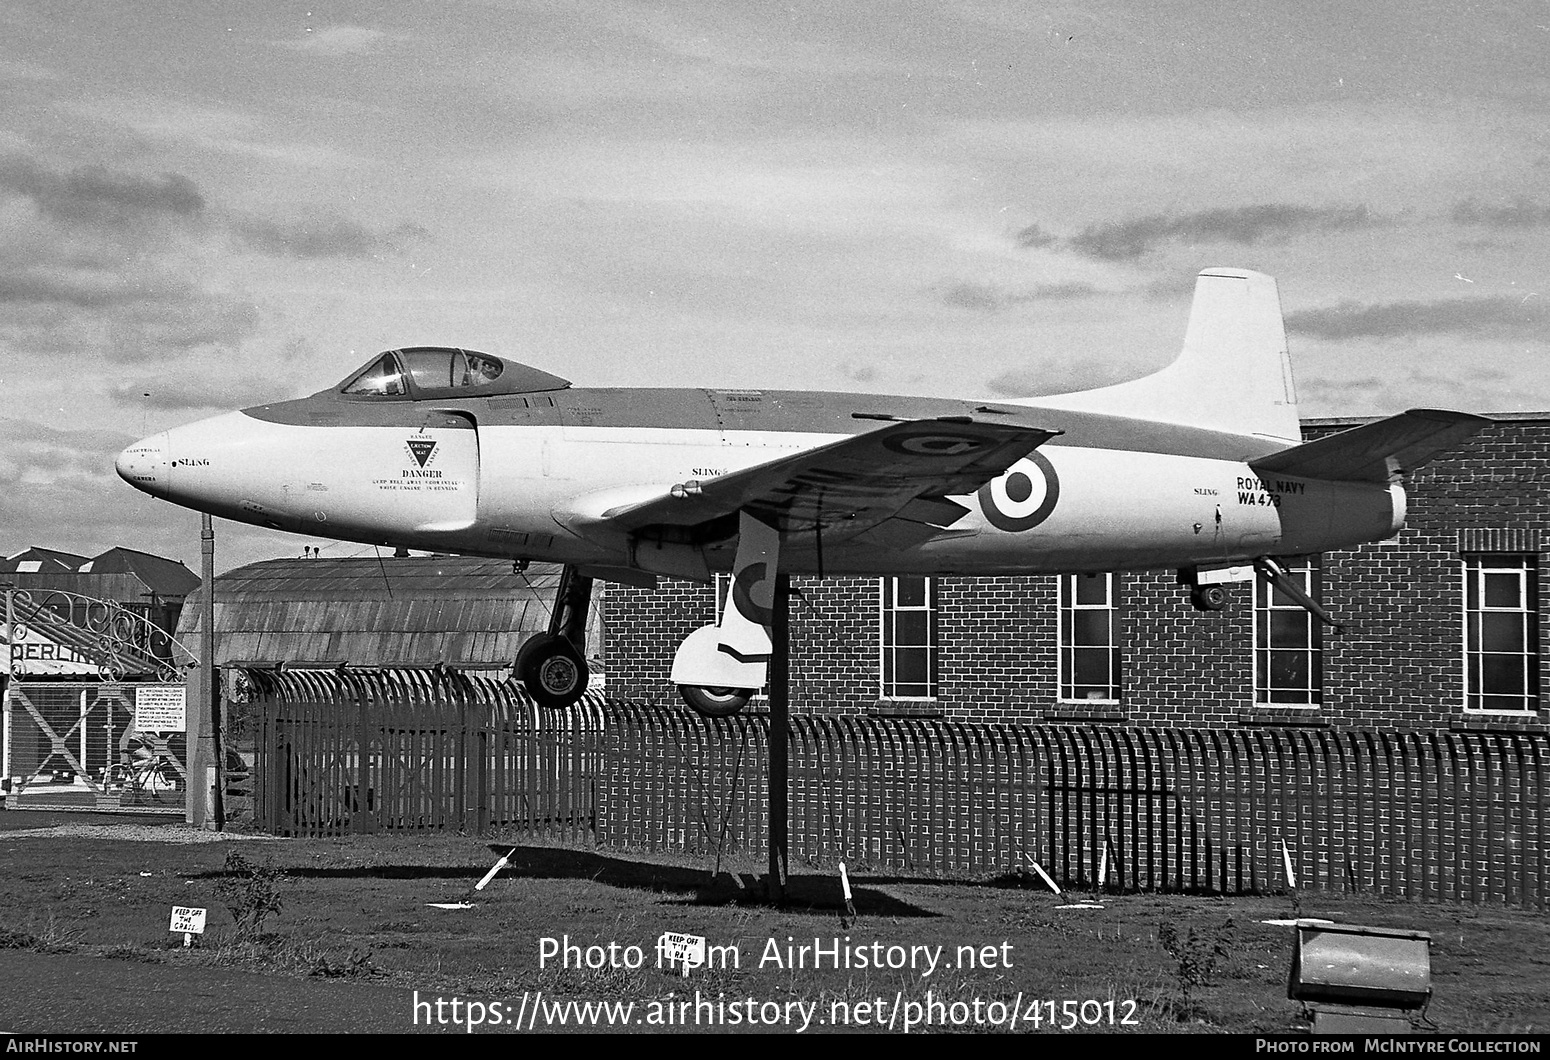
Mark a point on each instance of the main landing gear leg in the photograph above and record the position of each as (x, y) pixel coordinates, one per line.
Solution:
(552, 666)
(719, 668)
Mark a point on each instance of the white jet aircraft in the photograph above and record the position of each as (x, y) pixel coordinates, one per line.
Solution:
(1200, 467)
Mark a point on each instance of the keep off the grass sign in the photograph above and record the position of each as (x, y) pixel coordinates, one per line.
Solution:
(188, 920)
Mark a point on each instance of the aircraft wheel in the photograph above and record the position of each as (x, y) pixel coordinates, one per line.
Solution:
(552, 671)
(1208, 597)
(715, 702)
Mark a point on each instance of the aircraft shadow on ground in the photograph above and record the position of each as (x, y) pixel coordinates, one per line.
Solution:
(805, 892)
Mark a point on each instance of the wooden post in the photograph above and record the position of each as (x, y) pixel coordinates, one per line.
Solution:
(780, 716)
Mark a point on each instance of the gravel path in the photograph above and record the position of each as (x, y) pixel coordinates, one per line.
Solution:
(62, 824)
(150, 833)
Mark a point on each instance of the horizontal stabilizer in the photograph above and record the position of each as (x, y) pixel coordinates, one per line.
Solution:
(1375, 452)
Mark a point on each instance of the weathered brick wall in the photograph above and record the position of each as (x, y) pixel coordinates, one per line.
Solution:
(643, 629)
(1398, 663)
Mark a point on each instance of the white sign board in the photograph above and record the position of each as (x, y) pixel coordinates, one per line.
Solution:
(34, 655)
(161, 709)
(188, 920)
(688, 951)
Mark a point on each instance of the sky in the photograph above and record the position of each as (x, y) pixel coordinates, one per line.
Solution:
(210, 205)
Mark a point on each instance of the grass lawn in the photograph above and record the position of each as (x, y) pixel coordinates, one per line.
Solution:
(562, 924)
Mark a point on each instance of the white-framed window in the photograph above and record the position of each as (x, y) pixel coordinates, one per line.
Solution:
(1288, 642)
(1089, 654)
(907, 637)
(1501, 632)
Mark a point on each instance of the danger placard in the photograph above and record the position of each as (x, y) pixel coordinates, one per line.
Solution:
(161, 709)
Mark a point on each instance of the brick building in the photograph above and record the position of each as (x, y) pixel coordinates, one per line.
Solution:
(1441, 627)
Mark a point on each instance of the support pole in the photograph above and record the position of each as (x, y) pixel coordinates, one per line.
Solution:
(209, 687)
(5, 680)
(780, 716)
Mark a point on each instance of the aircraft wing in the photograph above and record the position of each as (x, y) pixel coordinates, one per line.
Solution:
(892, 483)
(1375, 452)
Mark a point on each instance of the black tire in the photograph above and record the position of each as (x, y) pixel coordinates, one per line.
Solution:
(552, 671)
(712, 702)
(1209, 597)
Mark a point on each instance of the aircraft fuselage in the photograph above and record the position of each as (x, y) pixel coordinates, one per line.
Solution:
(533, 476)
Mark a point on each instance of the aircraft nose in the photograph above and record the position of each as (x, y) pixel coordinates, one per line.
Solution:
(144, 464)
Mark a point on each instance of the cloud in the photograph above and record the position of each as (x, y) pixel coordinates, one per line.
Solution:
(107, 265)
(112, 265)
(1494, 317)
(115, 317)
(34, 455)
(184, 391)
(324, 238)
(1520, 213)
(1121, 240)
(1054, 377)
(96, 195)
(59, 489)
(339, 40)
(81, 288)
(1035, 238)
(993, 298)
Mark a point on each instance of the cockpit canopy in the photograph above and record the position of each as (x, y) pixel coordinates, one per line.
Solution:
(444, 371)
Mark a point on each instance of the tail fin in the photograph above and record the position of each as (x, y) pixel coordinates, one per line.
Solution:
(1234, 373)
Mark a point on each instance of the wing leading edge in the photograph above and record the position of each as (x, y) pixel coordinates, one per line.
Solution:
(891, 484)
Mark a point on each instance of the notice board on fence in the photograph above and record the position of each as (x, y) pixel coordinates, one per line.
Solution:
(161, 708)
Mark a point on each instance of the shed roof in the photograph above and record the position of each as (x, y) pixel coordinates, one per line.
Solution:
(164, 576)
(36, 559)
(452, 610)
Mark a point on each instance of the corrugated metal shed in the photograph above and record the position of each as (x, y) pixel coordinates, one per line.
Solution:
(453, 611)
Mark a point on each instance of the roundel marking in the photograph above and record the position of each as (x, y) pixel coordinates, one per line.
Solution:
(754, 579)
(1023, 496)
(936, 444)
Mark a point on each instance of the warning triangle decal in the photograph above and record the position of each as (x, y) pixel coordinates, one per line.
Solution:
(422, 448)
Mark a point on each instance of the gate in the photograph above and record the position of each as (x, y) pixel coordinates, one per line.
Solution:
(75, 745)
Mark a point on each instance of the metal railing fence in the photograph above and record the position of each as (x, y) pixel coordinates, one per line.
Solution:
(1442, 816)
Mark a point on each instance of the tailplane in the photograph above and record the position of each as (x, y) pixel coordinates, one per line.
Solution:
(1233, 375)
(1375, 452)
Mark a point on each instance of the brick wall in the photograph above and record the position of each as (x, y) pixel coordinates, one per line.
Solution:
(1398, 662)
